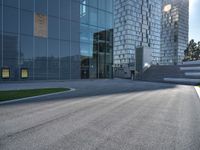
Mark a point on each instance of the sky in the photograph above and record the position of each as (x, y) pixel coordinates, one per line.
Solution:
(194, 27)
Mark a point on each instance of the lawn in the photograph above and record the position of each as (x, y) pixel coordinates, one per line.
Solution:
(16, 94)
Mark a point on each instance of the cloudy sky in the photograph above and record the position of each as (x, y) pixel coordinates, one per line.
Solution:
(194, 20)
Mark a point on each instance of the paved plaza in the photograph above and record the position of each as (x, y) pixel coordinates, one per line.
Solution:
(103, 115)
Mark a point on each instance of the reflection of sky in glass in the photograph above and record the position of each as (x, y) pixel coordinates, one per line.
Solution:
(194, 20)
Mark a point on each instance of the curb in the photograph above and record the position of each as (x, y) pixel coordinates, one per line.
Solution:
(39, 96)
(198, 90)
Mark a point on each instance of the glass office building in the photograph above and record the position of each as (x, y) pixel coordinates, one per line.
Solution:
(160, 26)
(96, 38)
(136, 24)
(56, 39)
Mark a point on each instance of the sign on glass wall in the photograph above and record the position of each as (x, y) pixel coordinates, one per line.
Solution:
(5, 73)
(24, 73)
(40, 25)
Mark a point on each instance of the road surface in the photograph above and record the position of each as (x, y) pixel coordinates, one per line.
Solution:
(104, 115)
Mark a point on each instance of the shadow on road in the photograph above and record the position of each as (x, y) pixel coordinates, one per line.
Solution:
(89, 88)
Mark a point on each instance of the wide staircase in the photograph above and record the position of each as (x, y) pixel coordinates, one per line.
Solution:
(187, 73)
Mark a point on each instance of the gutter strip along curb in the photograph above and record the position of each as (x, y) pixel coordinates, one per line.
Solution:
(198, 90)
(39, 96)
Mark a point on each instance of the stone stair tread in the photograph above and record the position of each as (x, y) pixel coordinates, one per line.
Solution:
(192, 62)
(190, 68)
(190, 65)
(182, 74)
(192, 73)
(182, 80)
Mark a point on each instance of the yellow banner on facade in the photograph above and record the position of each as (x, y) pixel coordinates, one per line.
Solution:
(40, 25)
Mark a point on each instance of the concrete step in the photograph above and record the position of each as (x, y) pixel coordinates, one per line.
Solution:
(182, 80)
(190, 68)
(186, 74)
(191, 74)
(191, 62)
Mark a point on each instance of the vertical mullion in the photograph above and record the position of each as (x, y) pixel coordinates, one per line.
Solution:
(47, 50)
(97, 41)
(2, 34)
(19, 40)
(33, 41)
(59, 41)
(70, 44)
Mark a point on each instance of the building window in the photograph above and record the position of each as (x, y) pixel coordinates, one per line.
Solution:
(41, 6)
(175, 38)
(83, 8)
(10, 19)
(26, 22)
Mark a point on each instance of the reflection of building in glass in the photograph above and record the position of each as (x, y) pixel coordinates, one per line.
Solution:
(137, 24)
(96, 44)
(40, 25)
(9, 55)
(97, 63)
(174, 36)
(71, 39)
(161, 26)
(51, 37)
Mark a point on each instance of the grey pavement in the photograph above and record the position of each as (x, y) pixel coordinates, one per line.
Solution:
(103, 115)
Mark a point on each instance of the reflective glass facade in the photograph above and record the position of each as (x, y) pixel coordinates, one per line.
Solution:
(57, 39)
(157, 25)
(136, 24)
(96, 35)
(174, 35)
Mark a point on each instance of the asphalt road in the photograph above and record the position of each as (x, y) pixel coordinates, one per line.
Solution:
(104, 115)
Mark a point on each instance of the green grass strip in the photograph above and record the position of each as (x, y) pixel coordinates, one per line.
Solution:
(17, 94)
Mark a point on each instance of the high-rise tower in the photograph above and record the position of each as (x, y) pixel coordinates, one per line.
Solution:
(174, 33)
(136, 24)
(160, 26)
